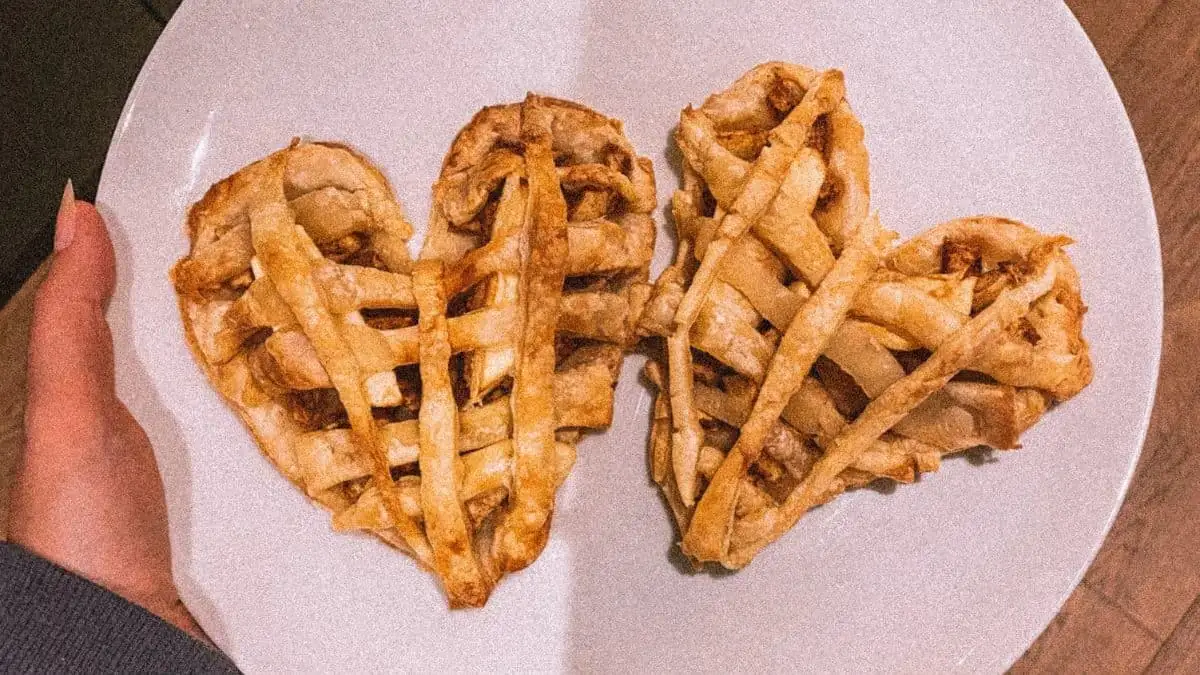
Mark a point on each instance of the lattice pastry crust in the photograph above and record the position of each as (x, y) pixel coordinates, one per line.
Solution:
(434, 404)
(804, 355)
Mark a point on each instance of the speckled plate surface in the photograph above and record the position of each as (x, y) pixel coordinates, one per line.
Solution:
(969, 108)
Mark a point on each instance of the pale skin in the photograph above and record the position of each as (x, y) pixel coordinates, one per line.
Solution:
(87, 494)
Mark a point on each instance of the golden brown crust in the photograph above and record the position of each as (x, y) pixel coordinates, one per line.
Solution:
(298, 302)
(521, 533)
(803, 358)
(441, 471)
(560, 188)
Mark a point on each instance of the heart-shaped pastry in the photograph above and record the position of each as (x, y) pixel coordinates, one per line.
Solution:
(804, 355)
(436, 404)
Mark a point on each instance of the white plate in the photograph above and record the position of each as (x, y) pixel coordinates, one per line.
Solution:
(969, 107)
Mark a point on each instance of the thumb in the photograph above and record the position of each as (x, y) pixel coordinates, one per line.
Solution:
(82, 269)
(70, 347)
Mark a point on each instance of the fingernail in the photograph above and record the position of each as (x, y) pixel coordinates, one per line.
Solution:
(64, 225)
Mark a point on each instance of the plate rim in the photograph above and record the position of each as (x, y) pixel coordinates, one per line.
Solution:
(1145, 194)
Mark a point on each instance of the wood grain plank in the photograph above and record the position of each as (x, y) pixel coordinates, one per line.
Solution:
(1091, 635)
(1159, 80)
(1181, 652)
(1113, 26)
(14, 342)
(1150, 563)
(1149, 567)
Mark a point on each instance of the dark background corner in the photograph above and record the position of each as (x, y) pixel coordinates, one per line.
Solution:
(67, 68)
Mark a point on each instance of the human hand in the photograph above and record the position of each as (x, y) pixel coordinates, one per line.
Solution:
(87, 494)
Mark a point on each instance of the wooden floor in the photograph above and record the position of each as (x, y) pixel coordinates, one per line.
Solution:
(1138, 608)
(1139, 605)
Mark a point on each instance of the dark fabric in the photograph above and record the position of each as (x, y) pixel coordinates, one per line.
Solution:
(54, 621)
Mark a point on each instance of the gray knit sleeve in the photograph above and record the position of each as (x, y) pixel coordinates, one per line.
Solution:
(54, 621)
